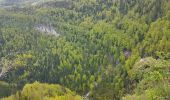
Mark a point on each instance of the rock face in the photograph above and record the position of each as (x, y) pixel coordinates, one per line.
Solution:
(47, 30)
(127, 54)
(5, 71)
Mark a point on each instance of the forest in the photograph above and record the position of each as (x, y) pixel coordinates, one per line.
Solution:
(84, 49)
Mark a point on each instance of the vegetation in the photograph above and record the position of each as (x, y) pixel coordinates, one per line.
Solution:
(37, 91)
(105, 50)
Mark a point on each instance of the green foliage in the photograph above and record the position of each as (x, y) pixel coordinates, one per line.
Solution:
(37, 91)
(106, 48)
(5, 89)
(151, 78)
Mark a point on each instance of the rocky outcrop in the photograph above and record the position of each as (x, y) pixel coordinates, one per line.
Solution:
(49, 30)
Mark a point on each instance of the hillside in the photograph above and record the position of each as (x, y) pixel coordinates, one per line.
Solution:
(98, 49)
(24, 3)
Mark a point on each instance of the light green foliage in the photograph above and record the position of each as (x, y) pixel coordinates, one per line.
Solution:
(37, 91)
(152, 79)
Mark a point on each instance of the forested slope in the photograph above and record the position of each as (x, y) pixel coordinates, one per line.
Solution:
(103, 50)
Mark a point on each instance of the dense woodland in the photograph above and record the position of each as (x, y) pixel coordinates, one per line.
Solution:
(105, 50)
